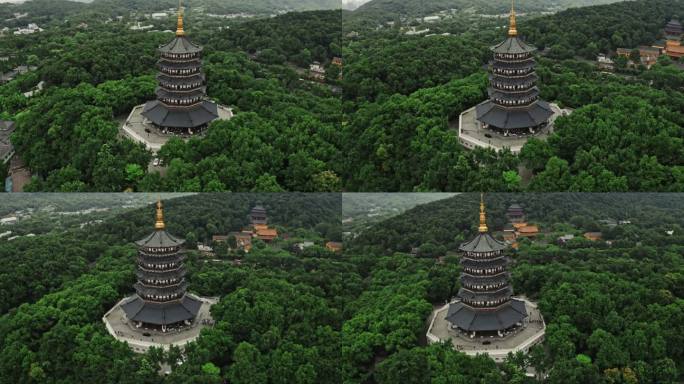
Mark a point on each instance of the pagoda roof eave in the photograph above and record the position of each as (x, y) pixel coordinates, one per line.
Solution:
(513, 45)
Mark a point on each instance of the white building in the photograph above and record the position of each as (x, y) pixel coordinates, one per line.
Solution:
(8, 220)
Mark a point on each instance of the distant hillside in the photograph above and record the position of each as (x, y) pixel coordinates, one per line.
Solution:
(265, 6)
(388, 9)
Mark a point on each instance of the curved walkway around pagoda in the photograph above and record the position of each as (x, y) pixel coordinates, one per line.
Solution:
(472, 135)
(140, 340)
(531, 334)
(138, 129)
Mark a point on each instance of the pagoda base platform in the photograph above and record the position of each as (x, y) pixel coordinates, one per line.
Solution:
(522, 338)
(141, 339)
(139, 129)
(472, 134)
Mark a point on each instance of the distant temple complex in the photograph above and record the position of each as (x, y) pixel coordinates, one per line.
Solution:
(485, 317)
(161, 308)
(181, 107)
(514, 111)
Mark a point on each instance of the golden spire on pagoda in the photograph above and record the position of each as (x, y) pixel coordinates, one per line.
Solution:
(159, 224)
(483, 216)
(513, 29)
(179, 29)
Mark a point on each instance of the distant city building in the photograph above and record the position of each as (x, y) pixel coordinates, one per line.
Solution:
(334, 246)
(605, 63)
(317, 71)
(565, 239)
(6, 147)
(528, 231)
(30, 29)
(593, 236)
(11, 75)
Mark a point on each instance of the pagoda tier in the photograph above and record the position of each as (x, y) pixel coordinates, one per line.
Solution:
(161, 298)
(486, 303)
(514, 106)
(258, 215)
(673, 29)
(181, 104)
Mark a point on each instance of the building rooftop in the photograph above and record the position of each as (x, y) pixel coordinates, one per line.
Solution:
(483, 242)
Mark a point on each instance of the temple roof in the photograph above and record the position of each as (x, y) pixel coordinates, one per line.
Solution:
(159, 238)
(514, 118)
(192, 117)
(137, 309)
(513, 45)
(471, 319)
(180, 44)
(484, 242)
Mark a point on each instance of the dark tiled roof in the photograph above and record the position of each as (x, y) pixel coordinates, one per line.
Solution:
(470, 319)
(514, 118)
(180, 44)
(164, 116)
(137, 309)
(159, 239)
(513, 45)
(484, 242)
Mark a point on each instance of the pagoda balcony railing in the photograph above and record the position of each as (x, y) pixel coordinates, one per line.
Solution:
(166, 270)
(159, 256)
(482, 255)
(483, 260)
(177, 88)
(162, 298)
(515, 103)
(159, 250)
(480, 275)
(161, 274)
(178, 59)
(501, 289)
(168, 285)
(183, 62)
(499, 59)
(180, 72)
(486, 307)
(147, 290)
(180, 77)
(514, 88)
(181, 102)
(484, 272)
(160, 264)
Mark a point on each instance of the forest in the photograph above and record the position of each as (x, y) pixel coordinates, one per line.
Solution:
(50, 323)
(388, 124)
(285, 135)
(625, 133)
(614, 312)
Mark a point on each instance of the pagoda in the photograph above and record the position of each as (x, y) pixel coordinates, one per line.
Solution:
(485, 306)
(673, 30)
(514, 107)
(181, 106)
(257, 216)
(161, 301)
